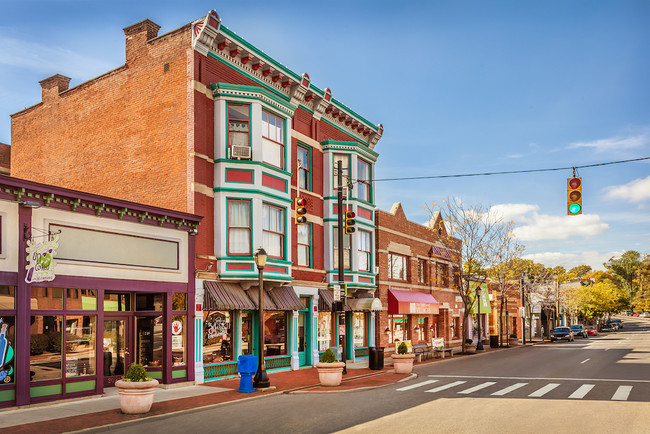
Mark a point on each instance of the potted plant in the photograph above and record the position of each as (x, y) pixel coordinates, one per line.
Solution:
(403, 361)
(469, 348)
(329, 370)
(136, 390)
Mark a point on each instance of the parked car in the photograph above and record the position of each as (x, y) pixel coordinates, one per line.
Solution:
(579, 330)
(618, 322)
(606, 328)
(591, 331)
(613, 325)
(562, 333)
(644, 315)
(636, 314)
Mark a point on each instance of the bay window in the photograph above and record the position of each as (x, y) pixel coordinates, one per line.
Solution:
(364, 251)
(304, 173)
(363, 176)
(346, 250)
(272, 139)
(304, 245)
(239, 227)
(238, 125)
(345, 168)
(273, 230)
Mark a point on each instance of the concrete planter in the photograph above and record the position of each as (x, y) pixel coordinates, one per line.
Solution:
(403, 363)
(330, 374)
(136, 396)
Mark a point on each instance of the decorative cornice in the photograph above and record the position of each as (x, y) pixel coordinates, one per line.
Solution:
(338, 145)
(209, 37)
(254, 92)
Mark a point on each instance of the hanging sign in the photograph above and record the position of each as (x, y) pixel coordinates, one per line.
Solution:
(40, 260)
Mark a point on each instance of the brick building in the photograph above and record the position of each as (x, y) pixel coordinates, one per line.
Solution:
(419, 270)
(201, 121)
(511, 322)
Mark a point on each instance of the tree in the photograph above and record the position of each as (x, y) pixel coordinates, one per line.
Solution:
(625, 267)
(478, 230)
(642, 299)
(580, 270)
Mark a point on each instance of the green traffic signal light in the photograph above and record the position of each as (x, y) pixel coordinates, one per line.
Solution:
(574, 208)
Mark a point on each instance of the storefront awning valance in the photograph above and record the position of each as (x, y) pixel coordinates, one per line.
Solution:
(225, 296)
(411, 302)
(285, 298)
(325, 300)
(365, 304)
(253, 294)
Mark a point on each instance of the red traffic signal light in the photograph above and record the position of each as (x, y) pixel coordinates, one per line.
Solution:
(301, 210)
(350, 222)
(574, 196)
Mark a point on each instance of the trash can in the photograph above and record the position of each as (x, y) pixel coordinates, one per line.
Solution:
(376, 358)
(494, 341)
(246, 366)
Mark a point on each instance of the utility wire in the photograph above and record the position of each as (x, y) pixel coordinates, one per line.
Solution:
(504, 173)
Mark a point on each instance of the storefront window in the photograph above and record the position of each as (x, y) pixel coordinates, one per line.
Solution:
(397, 328)
(179, 340)
(217, 336)
(275, 326)
(419, 329)
(7, 348)
(247, 333)
(7, 297)
(149, 335)
(80, 345)
(45, 346)
(359, 329)
(117, 302)
(149, 302)
(47, 298)
(179, 301)
(81, 299)
(324, 330)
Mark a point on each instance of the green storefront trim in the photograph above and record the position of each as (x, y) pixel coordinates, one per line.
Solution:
(180, 373)
(54, 389)
(80, 386)
(7, 395)
(252, 191)
(155, 374)
(336, 143)
(255, 163)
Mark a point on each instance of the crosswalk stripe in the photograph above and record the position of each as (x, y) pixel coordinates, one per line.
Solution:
(446, 386)
(544, 390)
(581, 391)
(413, 386)
(509, 389)
(479, 387)
(622, 393)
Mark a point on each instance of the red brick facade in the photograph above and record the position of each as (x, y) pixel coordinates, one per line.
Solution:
(433, 267)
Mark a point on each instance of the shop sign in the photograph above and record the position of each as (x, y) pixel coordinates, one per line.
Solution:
(422, 308)
(337, 292)
(177, 342)
(40, 260)
(177, 327)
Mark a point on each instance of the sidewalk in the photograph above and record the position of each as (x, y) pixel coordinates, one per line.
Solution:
(94, 412)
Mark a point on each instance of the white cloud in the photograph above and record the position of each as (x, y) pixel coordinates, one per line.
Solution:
(614, 143)
(547, 258)
(569, 260)
(547, 227)
(48, 59)
(514, 211)
(634, 191)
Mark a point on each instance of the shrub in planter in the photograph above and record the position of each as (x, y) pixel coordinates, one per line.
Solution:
(136, 390)
(403, 361)
(329, 370)
(328, 356)
(402, 348)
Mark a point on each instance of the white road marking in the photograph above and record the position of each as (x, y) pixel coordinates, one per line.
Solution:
(446, 386)
(487, 377)
(622, 393)
(509, 389)
(584, 361)
(544, 390)
(582, 391)
(479, 387)
(413, 386)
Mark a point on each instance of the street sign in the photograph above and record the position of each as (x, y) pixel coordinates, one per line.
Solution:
(337, 292)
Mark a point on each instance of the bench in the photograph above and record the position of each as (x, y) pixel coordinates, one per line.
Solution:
(439, 349)
(422, 351)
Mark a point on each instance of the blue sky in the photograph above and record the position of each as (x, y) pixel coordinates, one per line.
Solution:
(460, 87)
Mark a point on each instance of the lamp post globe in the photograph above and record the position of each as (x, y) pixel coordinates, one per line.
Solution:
(261, 380)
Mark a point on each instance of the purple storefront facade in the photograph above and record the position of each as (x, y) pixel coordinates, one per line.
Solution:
(89, 285)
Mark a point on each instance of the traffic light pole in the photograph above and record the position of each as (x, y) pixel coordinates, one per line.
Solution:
(339, 170)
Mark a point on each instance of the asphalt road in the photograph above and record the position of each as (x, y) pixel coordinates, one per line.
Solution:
(599, 384)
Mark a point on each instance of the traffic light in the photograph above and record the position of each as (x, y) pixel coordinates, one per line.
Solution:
(301, 210)
(574, 196)
(350, 222)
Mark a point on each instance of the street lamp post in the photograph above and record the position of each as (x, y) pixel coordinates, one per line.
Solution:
(261, 380)
(479, 345)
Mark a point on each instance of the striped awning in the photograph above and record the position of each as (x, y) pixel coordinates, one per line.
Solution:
(325, 300)
(285, 298)
(225, 296)
(365, 304)
(253, 294)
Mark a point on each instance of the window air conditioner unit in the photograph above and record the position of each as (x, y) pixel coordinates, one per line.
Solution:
(240, 152)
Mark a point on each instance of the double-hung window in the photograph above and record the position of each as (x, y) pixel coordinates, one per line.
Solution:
(304, 245)
(364, 251)
(238, 125)
(304, 173)
(345, 168)
(272, 139)
(398, 267)
(273, 230)
(363, 177)
(346, 250)
(239, 227)
(422, 271)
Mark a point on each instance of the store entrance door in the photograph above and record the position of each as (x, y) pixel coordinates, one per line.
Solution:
(304, 333)
(118, 337)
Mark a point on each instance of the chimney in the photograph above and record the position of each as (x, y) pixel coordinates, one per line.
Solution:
(52, 86)
(137, 36)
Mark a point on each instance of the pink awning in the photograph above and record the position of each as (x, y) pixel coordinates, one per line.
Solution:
(411, 302)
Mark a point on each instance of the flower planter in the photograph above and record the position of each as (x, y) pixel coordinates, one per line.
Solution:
(136, 397)
(330, 374)
(403, 363)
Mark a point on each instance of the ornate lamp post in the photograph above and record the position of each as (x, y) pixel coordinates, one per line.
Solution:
(261, 380)
(479, 345)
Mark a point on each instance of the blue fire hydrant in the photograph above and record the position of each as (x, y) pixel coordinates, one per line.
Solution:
(247, 367)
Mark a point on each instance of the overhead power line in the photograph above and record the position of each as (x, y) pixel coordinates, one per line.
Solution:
(510, 172)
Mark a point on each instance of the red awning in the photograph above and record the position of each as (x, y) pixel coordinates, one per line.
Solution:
(411, 302)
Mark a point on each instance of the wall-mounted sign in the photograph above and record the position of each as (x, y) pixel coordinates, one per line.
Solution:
(40, 260)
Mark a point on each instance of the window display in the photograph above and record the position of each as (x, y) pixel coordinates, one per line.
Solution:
(179, 336)
(149, 335)
(324, 330)
(80, 341)
(7, 348)
(397, 328)
(45, 347)
(275, 334)
(359, 329)
(217, 337)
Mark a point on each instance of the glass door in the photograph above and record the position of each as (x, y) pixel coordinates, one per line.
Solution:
(117, 348)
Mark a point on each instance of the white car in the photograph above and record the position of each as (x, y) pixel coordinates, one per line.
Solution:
(644, 315)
